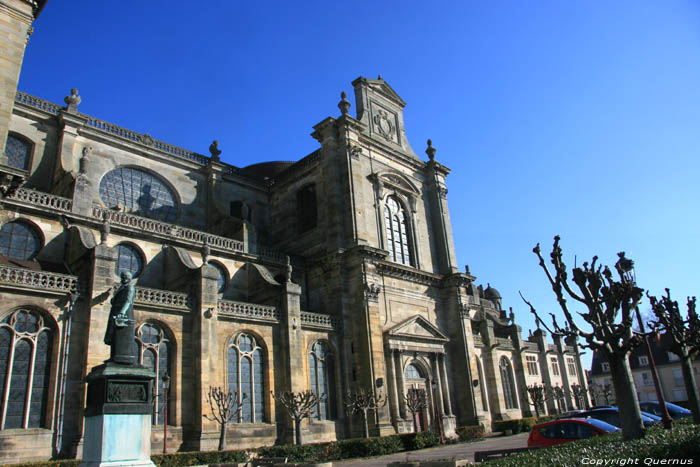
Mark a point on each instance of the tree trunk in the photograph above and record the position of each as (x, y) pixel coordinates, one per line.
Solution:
(415, 425)
(626, 394)
(222, 437)
(297, 430)
(691, 388)
(364, 419)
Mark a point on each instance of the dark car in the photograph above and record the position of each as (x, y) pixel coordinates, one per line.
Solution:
(675, 411)
(611, 415)
(566, 430)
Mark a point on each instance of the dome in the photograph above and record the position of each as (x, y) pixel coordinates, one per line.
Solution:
(268, 169)
(491, 294)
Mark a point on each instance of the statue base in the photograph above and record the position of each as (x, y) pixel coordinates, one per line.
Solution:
(118, 416)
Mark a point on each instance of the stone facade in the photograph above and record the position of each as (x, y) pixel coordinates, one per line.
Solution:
(334, 273)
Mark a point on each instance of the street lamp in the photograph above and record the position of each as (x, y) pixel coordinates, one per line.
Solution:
(166, 386)
(437, 412)
(626, 267)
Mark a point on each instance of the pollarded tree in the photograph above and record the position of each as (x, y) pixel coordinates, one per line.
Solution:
(609, 304)
(298, 405)
(579, 394)
(684, 334)
(225, 406)
(606, 391)
(537, 397)
(416, 402)
(362, 402)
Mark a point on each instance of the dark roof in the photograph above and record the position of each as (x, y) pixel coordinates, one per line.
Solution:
(491, 294)
(267, 169)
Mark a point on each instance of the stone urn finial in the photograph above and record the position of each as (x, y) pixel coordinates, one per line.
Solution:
(215, 151)
(72, 101)
(431, 150)
(344, 104)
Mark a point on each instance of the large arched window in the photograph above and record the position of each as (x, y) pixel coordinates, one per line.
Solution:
(19, 240)
(396, 234)
(154, 353)
(322, 380)
(140, 192)
(412, 372)
(245, 376)
(19, 152)
(128, 260)
(25, 364)
(508, 384)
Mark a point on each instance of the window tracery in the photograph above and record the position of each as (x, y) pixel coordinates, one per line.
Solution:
(395, 223)
(19, 240)
(154, 353)
(140, 192)
(245, 376)
(322, 380)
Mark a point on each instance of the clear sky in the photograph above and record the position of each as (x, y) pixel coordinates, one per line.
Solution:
(577, 118)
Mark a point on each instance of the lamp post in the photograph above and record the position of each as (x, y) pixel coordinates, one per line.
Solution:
(437, 412)
(166, 386)
(626, 266)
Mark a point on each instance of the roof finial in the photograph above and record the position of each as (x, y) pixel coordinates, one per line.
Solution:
(344, 104)
(379, 77)
(431, 150)
(72, 101)
(215, 151)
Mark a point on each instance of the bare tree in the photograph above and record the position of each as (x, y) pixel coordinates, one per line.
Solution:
(224, 407)
(416, 401)
(606, 391)
(610, 304)
(557, 394)
(363, 401)
(579, 394)
(537, 397)
(298, 405)
(684, 334)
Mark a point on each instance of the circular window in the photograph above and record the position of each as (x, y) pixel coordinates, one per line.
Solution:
(19, 240)
(222, 275)
(140, 192)
(128, 260)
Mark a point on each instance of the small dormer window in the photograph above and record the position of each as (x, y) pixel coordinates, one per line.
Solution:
(396, 232)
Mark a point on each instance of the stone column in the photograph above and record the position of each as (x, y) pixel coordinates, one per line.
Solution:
(445, 389)
(399, 374)
(393, 390)
(438, 380)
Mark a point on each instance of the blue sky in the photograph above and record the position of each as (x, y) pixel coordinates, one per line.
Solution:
(574, 118)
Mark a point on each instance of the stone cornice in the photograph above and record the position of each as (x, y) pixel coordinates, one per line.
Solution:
(390, 152)
(408, 273)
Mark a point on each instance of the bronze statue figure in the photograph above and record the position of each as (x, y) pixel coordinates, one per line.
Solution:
(120, 327)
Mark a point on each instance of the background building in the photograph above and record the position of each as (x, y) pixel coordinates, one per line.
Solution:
(333, 273)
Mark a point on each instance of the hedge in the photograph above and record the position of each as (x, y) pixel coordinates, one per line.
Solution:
(468, 433)
(681, 442)
(180, 459)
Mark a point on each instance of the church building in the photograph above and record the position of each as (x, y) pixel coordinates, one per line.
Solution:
(333, 272)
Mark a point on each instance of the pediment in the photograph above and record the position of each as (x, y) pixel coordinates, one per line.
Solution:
(381, 87)
(416, 328)
(399, 181)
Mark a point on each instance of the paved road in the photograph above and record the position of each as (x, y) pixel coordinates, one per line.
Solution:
(457, 451)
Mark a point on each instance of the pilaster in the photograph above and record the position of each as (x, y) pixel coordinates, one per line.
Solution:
(440, 215)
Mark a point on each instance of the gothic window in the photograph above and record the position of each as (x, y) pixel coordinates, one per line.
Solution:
(322, 379)
(396, 234)
(154, 353)
(509, 393)
(222, 275)
(245, 376)
(128, 260)
(19, 240)
(25, 364)
(306, 208)
(19, 152)
(140, 192)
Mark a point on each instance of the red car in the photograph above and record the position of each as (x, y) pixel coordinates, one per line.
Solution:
(566, 430)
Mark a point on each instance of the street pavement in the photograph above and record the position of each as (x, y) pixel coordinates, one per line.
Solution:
(456, 451)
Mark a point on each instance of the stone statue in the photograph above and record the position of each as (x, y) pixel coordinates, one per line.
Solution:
(120, 327)
(72, 101)
(215, 151)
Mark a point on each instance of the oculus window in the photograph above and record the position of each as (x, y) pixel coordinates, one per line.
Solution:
(19, 240)
(140, 192)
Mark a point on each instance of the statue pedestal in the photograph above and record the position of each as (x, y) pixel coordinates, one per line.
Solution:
(118, 416)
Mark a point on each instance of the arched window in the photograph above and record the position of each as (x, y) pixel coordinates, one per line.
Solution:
(245, 376)
(140, 192)
(508, 384)
(19, 240)
(396, 234)
(307, 211)
(19, 152)
(322, 379)
(222, 275)
(128, 260)
(154, 353)
(25, 364)
(412, 372)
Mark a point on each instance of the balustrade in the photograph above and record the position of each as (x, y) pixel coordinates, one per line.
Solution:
(39, 279)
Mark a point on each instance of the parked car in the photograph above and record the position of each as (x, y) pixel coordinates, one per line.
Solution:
(675, 411)
(566, 430)
(611, 415)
